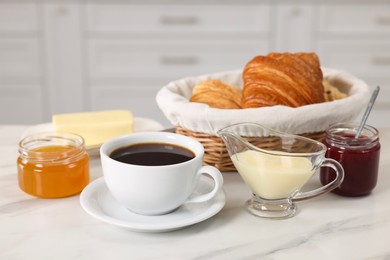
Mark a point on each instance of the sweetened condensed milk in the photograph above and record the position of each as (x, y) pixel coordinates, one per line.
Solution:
(273, 176)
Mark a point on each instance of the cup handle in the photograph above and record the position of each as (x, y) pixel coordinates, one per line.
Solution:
(218, 181)
(335, 165)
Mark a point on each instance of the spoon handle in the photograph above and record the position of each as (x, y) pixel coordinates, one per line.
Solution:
(367, 112)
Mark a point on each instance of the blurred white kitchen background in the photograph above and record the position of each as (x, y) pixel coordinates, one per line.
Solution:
(59, 56)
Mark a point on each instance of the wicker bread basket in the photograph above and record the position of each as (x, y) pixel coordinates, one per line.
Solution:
(202, 122)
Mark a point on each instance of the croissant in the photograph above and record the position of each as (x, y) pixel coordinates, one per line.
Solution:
(217, 94)
(331, 92)
(282, 79)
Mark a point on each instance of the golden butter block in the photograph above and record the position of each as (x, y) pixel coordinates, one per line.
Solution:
(95, 127)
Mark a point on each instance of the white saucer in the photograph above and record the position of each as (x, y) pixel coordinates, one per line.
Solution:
(97, 201)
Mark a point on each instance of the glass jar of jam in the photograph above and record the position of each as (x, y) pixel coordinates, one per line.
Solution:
(359, 158)
(52, 165)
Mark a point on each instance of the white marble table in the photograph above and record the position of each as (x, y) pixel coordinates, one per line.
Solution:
(329, 227)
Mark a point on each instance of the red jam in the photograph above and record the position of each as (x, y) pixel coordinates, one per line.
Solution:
(359, 158)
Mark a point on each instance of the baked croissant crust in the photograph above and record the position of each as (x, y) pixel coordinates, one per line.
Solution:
(290, 79)
(217, 94)
(331, 92)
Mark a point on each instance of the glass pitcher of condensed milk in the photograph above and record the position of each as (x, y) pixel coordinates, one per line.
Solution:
(276, 166)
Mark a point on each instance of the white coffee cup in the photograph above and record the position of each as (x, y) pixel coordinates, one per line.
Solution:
(156, 190)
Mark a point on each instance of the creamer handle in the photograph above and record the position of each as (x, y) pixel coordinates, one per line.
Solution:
(335, 165)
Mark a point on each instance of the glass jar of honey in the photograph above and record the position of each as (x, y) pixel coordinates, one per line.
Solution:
(52, 165)
(358, 156)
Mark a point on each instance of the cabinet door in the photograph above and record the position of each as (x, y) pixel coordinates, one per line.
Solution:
(363, 57)
(19, 58)
(356, 38)
(178, 20)
(20, 81)
(63, 53)
(20, 64)
(139, 96)
(353, 20)
(134, 50)
(368, 60)
(128, 74)
(20, 102)
(125, 59)
(293, 28)
(18, 18)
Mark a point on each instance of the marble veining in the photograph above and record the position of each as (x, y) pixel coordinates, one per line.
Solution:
(349, 226)
(327, 227)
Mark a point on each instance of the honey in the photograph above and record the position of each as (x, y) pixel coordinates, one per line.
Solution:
(53, 165)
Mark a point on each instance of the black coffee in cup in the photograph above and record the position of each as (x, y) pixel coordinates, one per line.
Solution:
(152, 154)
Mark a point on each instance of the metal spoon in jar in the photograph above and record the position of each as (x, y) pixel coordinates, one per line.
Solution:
(367, 112)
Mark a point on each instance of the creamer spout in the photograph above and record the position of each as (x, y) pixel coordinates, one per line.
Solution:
(234, 142)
